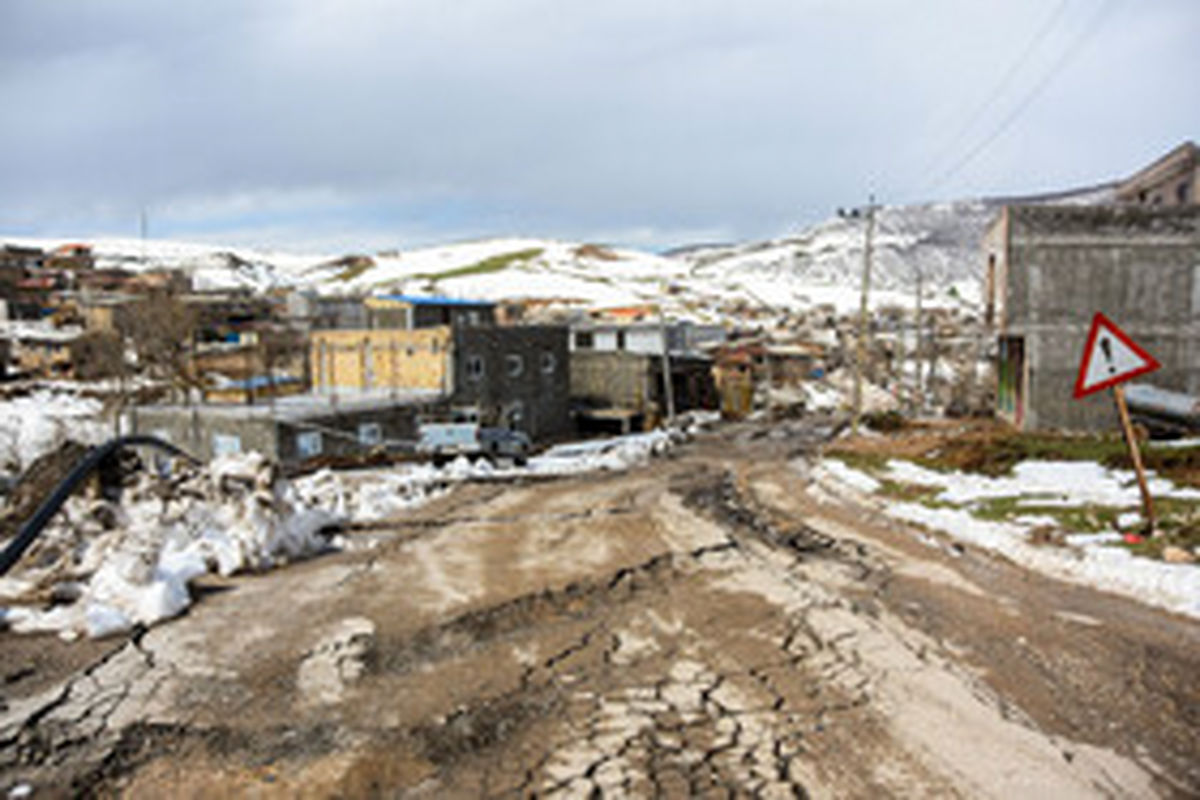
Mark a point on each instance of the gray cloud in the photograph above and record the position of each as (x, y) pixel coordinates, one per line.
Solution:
(427, 118)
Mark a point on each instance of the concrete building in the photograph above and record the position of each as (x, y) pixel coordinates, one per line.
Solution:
(1051, 268)
(291, 429)
(309, 311)
(1173, 180)
(516, 377)
(411, 312)
(645, 338)
(625, 391)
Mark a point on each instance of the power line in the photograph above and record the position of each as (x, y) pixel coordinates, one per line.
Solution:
(1036, 90)
(1000, 87)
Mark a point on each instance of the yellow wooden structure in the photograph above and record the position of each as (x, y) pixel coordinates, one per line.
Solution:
(380, 359)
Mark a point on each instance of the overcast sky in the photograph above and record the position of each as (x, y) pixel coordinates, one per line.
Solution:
(362, 124)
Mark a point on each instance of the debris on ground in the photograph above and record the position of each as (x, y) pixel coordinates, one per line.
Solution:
(106, 565)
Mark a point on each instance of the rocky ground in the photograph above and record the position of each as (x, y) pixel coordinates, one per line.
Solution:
(711, 624)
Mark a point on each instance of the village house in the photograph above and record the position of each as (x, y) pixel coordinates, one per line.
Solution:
(410, 312)
(617, 377)
(1049, 269)
(72, 257)
(42, 351)
(1173, 180)
(16, 264)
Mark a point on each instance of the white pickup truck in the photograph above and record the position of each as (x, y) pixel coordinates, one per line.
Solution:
(447, 440)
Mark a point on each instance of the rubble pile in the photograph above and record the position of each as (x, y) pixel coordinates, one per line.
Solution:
(105, 565)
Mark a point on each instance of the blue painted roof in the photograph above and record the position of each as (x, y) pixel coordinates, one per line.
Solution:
(259, 382)
(435, 301)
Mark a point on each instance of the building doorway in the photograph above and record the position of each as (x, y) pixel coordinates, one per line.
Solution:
(1010, 380)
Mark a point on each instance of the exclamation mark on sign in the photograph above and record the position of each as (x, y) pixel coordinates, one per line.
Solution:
(1106, 348)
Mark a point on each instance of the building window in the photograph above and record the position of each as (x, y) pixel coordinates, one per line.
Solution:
(475, 367)
(548, 363)
(620, 340)
(224, 444)
(370, 434)
(308, 444)
(514, 364)
(1183, 193)
(584, 340)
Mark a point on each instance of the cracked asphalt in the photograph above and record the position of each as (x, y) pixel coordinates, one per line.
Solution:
(712, 624)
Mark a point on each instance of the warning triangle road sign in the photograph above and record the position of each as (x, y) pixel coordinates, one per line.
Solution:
(1110, 357)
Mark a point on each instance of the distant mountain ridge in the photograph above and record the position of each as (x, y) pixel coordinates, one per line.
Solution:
(938, 243)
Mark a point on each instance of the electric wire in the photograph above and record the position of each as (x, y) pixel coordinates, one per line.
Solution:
(1001, 86)
(1059, 65)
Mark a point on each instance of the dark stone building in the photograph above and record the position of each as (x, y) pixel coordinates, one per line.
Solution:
(516, 377)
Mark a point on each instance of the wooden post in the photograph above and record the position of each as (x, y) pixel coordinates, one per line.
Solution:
(1135, 455)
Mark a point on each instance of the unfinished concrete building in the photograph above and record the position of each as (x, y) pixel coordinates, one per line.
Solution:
(1173, 180)
(1051, 268)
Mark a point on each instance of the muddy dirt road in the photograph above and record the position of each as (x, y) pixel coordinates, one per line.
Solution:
(712, 624)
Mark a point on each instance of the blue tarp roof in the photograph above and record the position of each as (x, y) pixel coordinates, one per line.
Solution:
(434, 301)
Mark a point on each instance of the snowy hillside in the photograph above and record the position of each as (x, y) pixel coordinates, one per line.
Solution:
(823, 264)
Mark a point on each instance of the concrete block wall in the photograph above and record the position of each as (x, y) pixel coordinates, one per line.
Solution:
(1140, 267)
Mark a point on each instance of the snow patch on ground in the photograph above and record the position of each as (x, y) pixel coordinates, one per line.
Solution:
(1086, 559)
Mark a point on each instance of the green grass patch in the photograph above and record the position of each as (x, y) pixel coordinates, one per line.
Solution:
(912, 493)
(870, 463)
(487, 265)
(997, 455)
(1076, 519)
(353, 271)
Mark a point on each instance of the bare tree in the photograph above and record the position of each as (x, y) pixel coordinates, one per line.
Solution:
(161, 332)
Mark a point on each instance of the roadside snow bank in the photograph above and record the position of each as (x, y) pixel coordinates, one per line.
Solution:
(1074, 483)
(372, 496)
(1086, 559)
(115, 565)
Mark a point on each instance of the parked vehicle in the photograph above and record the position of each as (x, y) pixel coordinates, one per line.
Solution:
(446, 440)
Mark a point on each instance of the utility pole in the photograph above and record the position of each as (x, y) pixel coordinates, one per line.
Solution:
(920, 339)
(668, 389)
(145, 225)
(863, 316)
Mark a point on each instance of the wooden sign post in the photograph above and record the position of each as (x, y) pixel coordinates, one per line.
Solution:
(1110, 358)
(1135, 455)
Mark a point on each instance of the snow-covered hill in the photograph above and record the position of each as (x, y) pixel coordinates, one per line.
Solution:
(940, 243)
